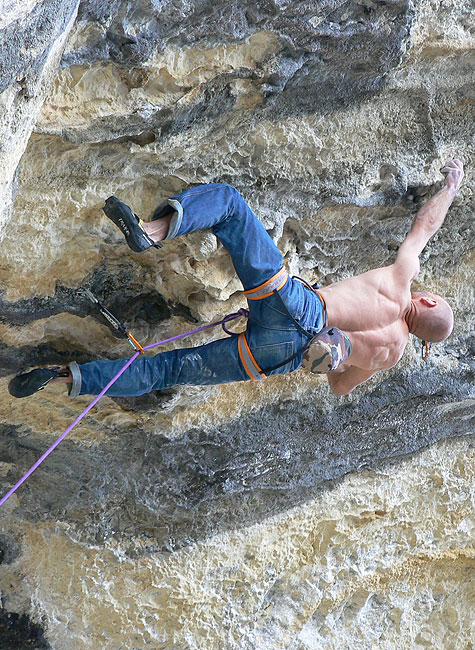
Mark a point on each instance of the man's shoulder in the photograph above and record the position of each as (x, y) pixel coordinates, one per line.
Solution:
(386, 279)
(407, 265)
(395, 284)
(395, 274)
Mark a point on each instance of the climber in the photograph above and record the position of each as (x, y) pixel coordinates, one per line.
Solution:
(369, 316)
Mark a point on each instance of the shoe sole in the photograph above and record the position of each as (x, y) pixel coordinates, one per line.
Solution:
(31, 382)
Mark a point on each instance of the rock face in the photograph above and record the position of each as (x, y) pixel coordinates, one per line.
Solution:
(268, 515)
(32, 38)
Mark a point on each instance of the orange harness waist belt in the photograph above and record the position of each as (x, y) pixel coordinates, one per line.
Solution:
(276, 282)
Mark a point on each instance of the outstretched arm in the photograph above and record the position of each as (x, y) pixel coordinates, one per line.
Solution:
(429, 219)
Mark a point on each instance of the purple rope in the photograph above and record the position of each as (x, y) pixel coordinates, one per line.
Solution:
(226, 319)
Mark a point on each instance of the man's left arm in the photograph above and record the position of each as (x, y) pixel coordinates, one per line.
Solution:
(342, 383)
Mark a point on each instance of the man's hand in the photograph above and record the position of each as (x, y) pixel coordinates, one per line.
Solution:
(454, 171)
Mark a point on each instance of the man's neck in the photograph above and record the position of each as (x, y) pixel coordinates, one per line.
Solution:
(409, 315)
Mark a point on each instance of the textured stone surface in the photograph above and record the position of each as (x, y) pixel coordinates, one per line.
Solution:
(248, 516)
(32, 38)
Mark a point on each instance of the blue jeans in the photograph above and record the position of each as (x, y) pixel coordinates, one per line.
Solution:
(271, 335)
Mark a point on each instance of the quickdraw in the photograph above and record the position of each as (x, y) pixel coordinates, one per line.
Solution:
(113, 321)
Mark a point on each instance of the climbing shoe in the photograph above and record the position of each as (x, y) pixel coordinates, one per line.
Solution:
(129, 224)
(31, 382)
(327, 350)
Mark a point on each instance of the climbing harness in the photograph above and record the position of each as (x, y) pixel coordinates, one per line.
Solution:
(139, 351)
(273, 286)
(321, 353)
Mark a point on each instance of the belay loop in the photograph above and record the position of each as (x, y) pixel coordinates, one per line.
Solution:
(229, 317)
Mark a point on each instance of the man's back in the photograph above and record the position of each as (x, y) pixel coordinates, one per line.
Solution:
(370, 308)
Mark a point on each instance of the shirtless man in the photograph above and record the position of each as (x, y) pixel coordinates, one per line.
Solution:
(367, 319)
(377, 309)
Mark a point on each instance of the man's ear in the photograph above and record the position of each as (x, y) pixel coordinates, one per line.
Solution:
(428, 302)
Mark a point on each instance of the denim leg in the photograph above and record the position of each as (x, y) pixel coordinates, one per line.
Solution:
(271, 335)
(220, 207)
(213, 363)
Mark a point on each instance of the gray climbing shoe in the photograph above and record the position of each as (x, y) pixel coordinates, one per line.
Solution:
(28, 383)
(129, 224)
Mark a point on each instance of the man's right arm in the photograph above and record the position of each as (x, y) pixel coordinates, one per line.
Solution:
(428, 220)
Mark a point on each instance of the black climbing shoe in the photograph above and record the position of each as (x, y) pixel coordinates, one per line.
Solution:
(31, 382)
(129, 224)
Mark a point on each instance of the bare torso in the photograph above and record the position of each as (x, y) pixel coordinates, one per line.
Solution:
(377, 310)
(370, 308)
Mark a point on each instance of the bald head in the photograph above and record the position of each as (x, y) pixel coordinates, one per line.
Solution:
(432, 318)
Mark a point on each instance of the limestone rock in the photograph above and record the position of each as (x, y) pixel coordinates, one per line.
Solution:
(32, 38)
